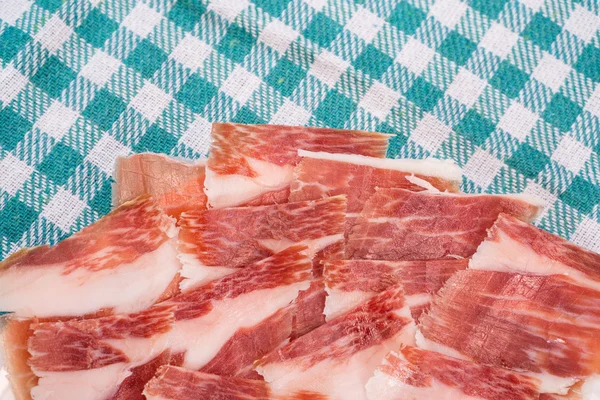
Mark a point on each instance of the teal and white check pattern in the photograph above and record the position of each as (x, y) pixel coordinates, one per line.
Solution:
(509, 89)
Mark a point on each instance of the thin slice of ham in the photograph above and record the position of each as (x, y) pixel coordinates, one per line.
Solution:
(254, 164)
(514, 246)
(216, 242)
(351, 282)
(337, 359)
(546, 326)
(397, 224)
(123, 263)
(223, 326)
(176, 185)
(412, 373)
(98, 359)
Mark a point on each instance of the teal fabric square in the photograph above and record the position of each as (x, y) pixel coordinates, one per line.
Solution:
(104, 109)
(236, 44)
(335, 109)
(146, 59)
(407, 17)
(16, 218)
(156, 140)
(588, 63)
(50, 5)
(373, 62)
(196, 93)
(528, 161)
(561, 112)
(187, 13)
(457, 48)
(582, 195)
(509, 79)
(96, 28)
(60, 164)
(53, 77)
(12, 41)
(285, 77)
(322, 30)
(541, 31)
(475, 127)
(246, 116)
(491, 8)
(424, 94)
(273, 7)
(102, 200)
(12, 128)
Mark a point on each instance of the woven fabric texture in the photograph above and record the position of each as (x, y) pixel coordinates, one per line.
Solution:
(509, 89)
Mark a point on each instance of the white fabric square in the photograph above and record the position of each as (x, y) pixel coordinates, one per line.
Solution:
(571, 154)
(241, 84)
(228, 9)
(328, 68)
(482, 168)
(518, 121)
(290, 114)
(592, 105)
(364, 24)
(448, 12)
(13, 174)
(197, 135)
(551, 72)
(546, 197)
(430, 133)
(278, 35)
(11, 10)
(499, 40)
(466, 87)
(379, 100)
(63, 209)
(57, 120)
(191, 52)
(535, 5)
(11, 83)
(105, 152)
(100, 68)
(53, 34)
(142, 20)
(415, 56)
(150, 101)
(587, 235)
(316, 4)
(583, 23)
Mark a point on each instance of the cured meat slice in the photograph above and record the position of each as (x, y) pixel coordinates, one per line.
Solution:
(242, 314)
(514, 246)
(176, 185)
(320, 175)
(124, 263)
(98, 359)
(254, 164)
(413, 373)
(216, 242)
(547, 326)
(351, 282)
(15, 335)
(397, 224)
(337, 359)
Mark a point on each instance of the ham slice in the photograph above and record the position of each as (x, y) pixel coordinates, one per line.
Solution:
(546, 326)
(337, 359)
(351, 282)
(176, 185)
(98, 359)
(123, 263)
(397, 224)
(413, 373)
(514, 246)
(254, 164)
(216, 242)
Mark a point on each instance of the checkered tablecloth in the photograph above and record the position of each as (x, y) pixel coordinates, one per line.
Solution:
(509, 89)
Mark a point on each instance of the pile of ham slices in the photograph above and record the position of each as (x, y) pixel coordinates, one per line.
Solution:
(298, 263)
